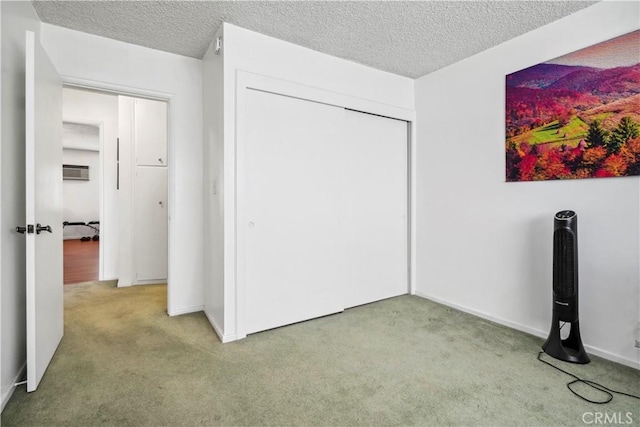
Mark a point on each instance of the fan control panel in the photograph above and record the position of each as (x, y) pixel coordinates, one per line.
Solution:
(565, 214)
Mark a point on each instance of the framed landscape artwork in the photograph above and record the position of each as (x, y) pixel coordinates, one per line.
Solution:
(576, 116)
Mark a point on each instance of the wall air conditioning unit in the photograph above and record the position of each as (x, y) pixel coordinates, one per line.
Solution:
(75, 172)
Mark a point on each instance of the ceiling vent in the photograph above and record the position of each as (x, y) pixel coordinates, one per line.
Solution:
(76, 172)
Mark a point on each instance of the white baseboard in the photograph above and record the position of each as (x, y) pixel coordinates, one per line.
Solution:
(122, 284)
(185, 310)
(150, 282)
(6, 394)
(224, 338)
(533, 331)
(612, 357)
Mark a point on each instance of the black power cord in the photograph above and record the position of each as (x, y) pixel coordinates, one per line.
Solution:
(609, 392)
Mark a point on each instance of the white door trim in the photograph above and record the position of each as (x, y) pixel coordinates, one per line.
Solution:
(234, 284)
(3, 401)
(114, 88)
(118, 89)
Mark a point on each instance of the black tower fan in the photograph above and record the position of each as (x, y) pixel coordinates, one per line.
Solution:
(565, 291)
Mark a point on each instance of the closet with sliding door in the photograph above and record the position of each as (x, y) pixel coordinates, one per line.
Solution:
(322, 209)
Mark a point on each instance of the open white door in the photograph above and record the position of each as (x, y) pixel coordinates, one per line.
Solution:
(43, 119)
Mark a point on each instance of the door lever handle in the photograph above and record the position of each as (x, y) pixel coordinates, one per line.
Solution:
(41, 228)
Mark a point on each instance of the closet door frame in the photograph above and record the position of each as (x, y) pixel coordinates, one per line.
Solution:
(235, 262)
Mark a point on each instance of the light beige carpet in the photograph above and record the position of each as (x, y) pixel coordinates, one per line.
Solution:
(402, 361)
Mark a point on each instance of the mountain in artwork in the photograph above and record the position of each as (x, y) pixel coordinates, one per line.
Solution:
(546, 92)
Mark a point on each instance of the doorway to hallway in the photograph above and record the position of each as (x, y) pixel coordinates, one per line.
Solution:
(123, 235)
(81, 191)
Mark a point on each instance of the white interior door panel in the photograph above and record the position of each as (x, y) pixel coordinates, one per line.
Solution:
(150, 127)
(43, 149)
(151, 230)
(375, 203)
(292, 249)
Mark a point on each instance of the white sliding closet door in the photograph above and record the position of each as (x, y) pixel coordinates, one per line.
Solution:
(375, 204)
(322, 209)
(290, 187)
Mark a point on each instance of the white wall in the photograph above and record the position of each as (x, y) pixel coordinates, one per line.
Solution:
(213, 161)
(17, 17)
(485, 245)
(80, 199)
(126, 268)
(80, 136)
(126, 68)
(248, 51)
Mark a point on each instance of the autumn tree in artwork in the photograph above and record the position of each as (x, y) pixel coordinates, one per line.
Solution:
(626, 130)
(603, 153)
(631, 154)
(597, 136)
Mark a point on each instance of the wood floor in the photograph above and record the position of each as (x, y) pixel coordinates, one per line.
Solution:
(80, 261)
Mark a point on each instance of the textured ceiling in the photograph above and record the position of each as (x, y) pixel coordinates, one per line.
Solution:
(407, 38)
